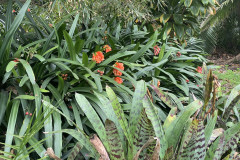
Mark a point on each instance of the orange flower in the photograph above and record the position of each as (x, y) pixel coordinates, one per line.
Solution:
(158, 83)
(98, 57)
(13, 11)
(178, 54)
(156, 50)
(117, 72)
(118, 80)
(28, 10)
(50, 25)
(199, 69)
(107, 48)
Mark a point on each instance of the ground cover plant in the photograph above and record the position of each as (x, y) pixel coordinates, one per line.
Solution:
(81, 88)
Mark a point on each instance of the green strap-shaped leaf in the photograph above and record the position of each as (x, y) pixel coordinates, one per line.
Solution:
(11, 32)
(59, 100)
(23, 80)
(37, 95)
(76, 115)
(70, 46)
(48, 127)
(57, 136)
(151, 41)
(157, 126)
(69, 41)
(144, 130)
(116, 148)
(74, 152)
(29, 70)
(210, 126)
(10, 66)
(174, 131)
(27, 97)
(119, 113)
(40, 150)
(234, 93)
(93, 118)
(230, 108)
(140, 91)
(3, 104)
(11, 125)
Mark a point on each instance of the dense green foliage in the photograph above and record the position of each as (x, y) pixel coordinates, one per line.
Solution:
(69, 77)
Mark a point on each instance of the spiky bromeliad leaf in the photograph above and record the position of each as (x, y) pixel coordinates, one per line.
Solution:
(144, 130)
(231, 136)
(119, 113)
(76, 149)
(163, 96)
(174, 131)
(135, 112)
(232, 143)
(108, 110)
(196, 147)
(116, 148)
(219, 150)
(187, 136)
(157, 126)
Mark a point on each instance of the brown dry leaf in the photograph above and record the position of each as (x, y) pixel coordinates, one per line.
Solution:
(51, 154)
(156, 150)
(99, 147)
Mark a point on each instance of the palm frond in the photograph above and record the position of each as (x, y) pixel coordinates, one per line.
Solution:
(222, 12)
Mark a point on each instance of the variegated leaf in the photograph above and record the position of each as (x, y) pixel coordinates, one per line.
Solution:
(144, 130)
(76, 149)
(196, 148)
(157, 126)
(117, 152)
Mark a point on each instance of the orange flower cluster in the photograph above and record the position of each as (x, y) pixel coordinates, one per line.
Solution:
(117, 72)
(178, 54)
(118, 80)
(156, 50)
(64, 76)
(107, 48)
(98, 57)
(199, 69)
(100, 72)
(28, 10)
